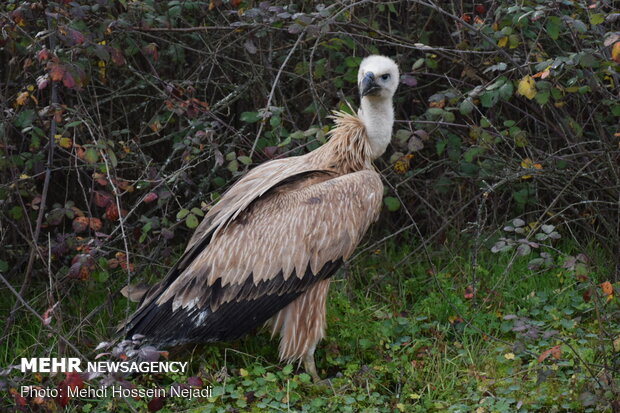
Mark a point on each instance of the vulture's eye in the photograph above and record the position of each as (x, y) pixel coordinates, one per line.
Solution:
(385, 76)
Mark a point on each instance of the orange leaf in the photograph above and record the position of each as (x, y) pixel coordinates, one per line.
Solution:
(80, 224)
(615, 52)
(555, 352)
(608, 290)
(57, 72)
(111, 213)
(22, 98)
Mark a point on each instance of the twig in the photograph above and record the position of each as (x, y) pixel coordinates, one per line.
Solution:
(273, 89)
(33, 311)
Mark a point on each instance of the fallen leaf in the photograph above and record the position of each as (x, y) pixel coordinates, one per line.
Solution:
(555, 352)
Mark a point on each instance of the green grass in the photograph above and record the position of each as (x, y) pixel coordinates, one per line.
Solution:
(402, 336)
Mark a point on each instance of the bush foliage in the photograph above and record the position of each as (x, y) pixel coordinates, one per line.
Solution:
(123, 121)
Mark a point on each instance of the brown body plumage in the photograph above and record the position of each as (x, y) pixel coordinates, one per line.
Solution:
(268, 249)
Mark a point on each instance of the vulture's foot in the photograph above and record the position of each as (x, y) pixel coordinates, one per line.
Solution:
(310, 367)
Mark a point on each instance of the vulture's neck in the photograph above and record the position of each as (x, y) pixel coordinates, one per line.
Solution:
(377, 114)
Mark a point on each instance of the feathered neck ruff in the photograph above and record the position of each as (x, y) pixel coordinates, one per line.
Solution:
(348, 149)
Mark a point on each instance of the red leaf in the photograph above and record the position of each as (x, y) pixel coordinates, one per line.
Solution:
(74, 381)
(68, 80)
(195, 381)
(103, 198)
(156, 404)
(111, 213)
(77, 36)
(150, 197)
(480, 8)
(117, 56)
(469, 292)
(151, 50)
(43, 55)
(19, 399)
(57, 72)
(270, 151)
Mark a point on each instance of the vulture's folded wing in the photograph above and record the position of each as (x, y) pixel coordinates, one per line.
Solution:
(267, 256)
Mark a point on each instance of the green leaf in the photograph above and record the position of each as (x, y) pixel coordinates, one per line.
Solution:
(440, 146)
(588, 60)
(542, 97)
(466, 107)
(182, 214)
(489, 99)
(246, 160)
(297, 135)
(435, 112)
(198, 212)
(233, 166)
(597, 18)
(191, 222)
(101, 276)
(288, 369)
(250, 117)
(418, 64)
(16, 213)
(472, 153)
(74, 123)
(521, 196)
(112, 157)
(553, 26)
(91, 156)
(392, 204)
(24, 119)
(4, 266)
(505, 92)
(275, 121)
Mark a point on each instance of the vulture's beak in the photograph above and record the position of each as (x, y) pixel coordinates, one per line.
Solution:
(368, 85)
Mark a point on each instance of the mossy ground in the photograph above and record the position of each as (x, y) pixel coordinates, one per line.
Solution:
(404, 335)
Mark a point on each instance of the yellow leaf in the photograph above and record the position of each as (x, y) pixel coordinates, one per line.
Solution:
(503, 41)
(243, 372)
(527, 87)
(617, 344)
(22, 98)
(30, 88)
(615, 52)
(65, 142)
(509, 356)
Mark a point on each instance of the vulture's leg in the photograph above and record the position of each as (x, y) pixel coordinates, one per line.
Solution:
(302, 326)
(309, 365)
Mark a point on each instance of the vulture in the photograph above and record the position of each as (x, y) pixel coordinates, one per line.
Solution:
(267, 250)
